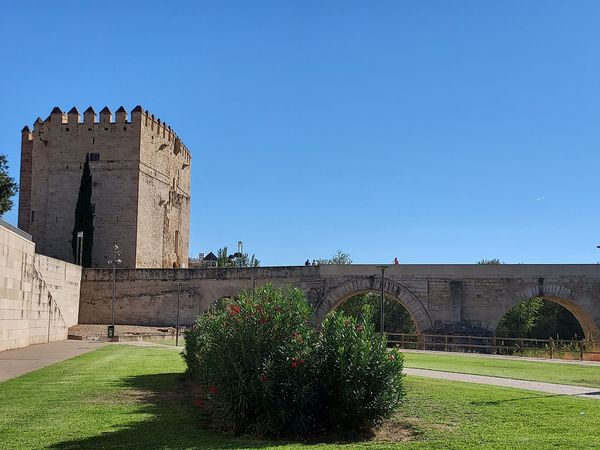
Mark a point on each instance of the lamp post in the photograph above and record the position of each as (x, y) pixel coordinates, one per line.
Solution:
(113, 261)
(79, 248)
(382, 316)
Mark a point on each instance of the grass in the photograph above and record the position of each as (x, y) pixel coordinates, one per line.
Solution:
(550, 372)
(134, 397)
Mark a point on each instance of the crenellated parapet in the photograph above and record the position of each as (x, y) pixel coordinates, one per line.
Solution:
(161, 129)
(140, 191)
(105, 120)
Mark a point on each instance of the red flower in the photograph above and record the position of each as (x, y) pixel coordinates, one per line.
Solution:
(277, 308)
(359, 328)
(263, 320)
(263, 377)
(199, 403)
(296, 362)
(234, 310)
(213, 390)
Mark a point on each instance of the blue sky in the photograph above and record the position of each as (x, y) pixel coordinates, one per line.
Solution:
(431, 131)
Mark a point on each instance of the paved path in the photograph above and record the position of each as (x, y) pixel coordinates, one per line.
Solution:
(14, 363)
(514, 358)
(550, 388)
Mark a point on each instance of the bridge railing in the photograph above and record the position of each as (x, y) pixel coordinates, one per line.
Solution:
(549, 348)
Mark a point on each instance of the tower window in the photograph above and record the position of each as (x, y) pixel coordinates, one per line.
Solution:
(32, 215)
(94, 156)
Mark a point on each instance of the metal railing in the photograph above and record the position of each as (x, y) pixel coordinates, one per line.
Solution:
(551, 348)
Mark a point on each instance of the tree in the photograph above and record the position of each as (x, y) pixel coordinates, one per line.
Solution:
(84, 217)
(8, 186)
(521, 320)
(490, 261)
(339, 258)
(236, 260)
(222, 258)
(397, 318)
(537, 318)
(246, 261)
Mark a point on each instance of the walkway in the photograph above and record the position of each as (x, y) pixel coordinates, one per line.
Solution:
(549, 388)
(514, 358)
(14, 363)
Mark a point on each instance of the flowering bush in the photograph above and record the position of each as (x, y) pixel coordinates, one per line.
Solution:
(250, 356)
(264, 369)
(360, 379)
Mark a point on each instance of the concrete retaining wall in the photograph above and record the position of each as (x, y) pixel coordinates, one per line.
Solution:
(39, 295)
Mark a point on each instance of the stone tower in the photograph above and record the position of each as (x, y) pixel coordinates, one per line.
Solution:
(140, 192)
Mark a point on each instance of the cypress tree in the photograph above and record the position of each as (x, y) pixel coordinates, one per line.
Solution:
(84, 216)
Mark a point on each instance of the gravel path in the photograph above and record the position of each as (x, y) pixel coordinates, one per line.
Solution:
(549, 388)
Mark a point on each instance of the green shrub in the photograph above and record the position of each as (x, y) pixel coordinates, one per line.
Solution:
(360, 380)
(250, 356)
(264, 369)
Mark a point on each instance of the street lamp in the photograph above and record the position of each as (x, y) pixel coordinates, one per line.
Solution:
(79, 248)
(382, 316)
(113, 261)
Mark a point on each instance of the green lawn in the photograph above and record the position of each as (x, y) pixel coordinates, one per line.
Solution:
(550, 372)
(134, 397)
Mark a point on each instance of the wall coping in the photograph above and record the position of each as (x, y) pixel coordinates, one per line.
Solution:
(8, 226)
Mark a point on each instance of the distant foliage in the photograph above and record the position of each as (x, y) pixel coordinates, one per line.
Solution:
(339, 258)
(263, 369)
(541, 319)
(397, 318)
(236, 259)
(537, 318)
(490, 261)
(8, 186)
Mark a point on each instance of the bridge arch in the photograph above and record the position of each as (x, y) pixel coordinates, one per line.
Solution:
(562, 296)
(337, 295)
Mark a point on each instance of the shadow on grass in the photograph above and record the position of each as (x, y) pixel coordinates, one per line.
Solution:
(173, 423)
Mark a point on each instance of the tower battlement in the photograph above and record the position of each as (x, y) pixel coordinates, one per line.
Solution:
(90, 121)
(141, 184)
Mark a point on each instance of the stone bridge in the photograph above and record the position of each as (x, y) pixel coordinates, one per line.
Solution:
(477, 295)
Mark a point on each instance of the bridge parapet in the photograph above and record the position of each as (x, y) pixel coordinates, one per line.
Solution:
(434, 295)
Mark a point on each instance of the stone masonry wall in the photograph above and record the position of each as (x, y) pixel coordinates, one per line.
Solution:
(140, 192)
(39, 296)
(164, 197)
(60, 146)
(477, 295)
